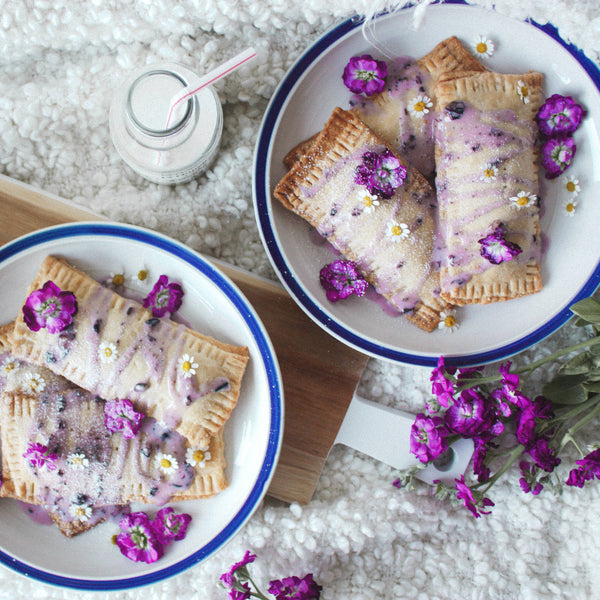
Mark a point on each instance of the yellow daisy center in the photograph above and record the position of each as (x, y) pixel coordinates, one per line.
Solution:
(523, 200)
(489, 172)
(142, 275)
(396, 230)
(368, 201)
(80, 511)
(570, 186)
(9, 367)
(420, 106)
(524, 91)
(450, 321)
(482, 48)
(165, 463)
(108, 352)
(198, 455)
(186, 366)
(118, 279)
(570, 207)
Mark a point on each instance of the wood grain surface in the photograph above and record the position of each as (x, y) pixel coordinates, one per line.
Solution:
(319, 373)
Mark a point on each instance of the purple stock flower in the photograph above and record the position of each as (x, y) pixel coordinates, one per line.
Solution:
(528, 481)
(39, 456)
(468, 415)
(340, 279)
(49, 307)
(465, 493)
(137, 539)
(428, 438)
(588, 469)
(559, 116)
(479, 467)
(441, 386)
(509, 392)
(233, 576)
(170, 526)
(119, 415)
(381, 173)
(496, 249)
(557, 155)
(164, 298)
(543, 456)
(364, 74)
(294, 588)
(526, 420)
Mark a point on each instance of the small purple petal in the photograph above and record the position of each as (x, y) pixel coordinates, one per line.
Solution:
(50, 308)
(164, 298)
(557, 155)
(559, 116)
(381, 173)
(137, 540)
(364, 74)
(119, 415)
(496, 249)
(341, 279)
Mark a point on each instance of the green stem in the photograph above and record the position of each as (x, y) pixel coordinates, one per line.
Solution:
(584, 421)
(257, 593)
(512, 457)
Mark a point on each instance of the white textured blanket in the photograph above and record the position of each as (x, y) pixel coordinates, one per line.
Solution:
(361, 537)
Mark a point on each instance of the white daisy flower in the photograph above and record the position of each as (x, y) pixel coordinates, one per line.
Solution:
(420, 106)
(78, 460)
(489, 173)
(117, 278)
(197, 457)
(34, 382)
(569, 207)
(523, 91)
(167, 463)
(108, 352)
(398, 231)
(81, 512)
(9, 364)
(141, 278)
(523, 200)
(187, 366)
(483, 47)
(370, 201)
(448, 321)
(572, 185)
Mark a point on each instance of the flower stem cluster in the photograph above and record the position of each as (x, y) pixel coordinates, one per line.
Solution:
(239, 584)
(507, 426)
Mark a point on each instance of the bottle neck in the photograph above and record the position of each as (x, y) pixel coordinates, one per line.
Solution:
(148, 104)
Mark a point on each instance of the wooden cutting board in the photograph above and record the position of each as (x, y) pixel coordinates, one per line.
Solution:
(319, 373)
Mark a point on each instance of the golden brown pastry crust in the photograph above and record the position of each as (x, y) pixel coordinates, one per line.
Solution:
(397, 270)
(470, 205)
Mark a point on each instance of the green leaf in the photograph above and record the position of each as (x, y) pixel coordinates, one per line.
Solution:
(566, 389)
(592, 387)
(582, 363)
(588, 309)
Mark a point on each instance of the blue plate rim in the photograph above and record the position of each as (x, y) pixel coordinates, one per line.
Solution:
(156, 240)
(313, 310)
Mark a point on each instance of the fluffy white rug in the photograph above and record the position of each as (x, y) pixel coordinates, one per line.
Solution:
(361, 537)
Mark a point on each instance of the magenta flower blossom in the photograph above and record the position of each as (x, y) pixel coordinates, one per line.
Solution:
(428, 437)
(468, 415)
(341, 279)
(381, 173)
(119, 415)
(49, 307)
(39, 456)
(164, 298)
(441, 386)
(543, 456)
(465, 493)
(137, 539)
(170, 526)
(557, 155)
(588, 469)
(528, 481)
(559, 116)
(294, 588)
(239, 571)
(496, 249)
(479, 467)
(364, 74)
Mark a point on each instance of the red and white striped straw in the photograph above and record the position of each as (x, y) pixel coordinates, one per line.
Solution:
(221, 71)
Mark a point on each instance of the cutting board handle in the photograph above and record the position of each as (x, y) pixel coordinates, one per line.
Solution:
(384, 433)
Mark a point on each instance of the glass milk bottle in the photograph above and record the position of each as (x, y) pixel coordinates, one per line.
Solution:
(161, 147)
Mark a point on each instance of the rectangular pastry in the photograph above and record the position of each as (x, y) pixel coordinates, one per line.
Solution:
(115, 348)
(487, 185)
(402, 114)
(58, 452)
(388, 233)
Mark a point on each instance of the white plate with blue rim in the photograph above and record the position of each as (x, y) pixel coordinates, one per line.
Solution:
(213, 305)
(570, 266)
